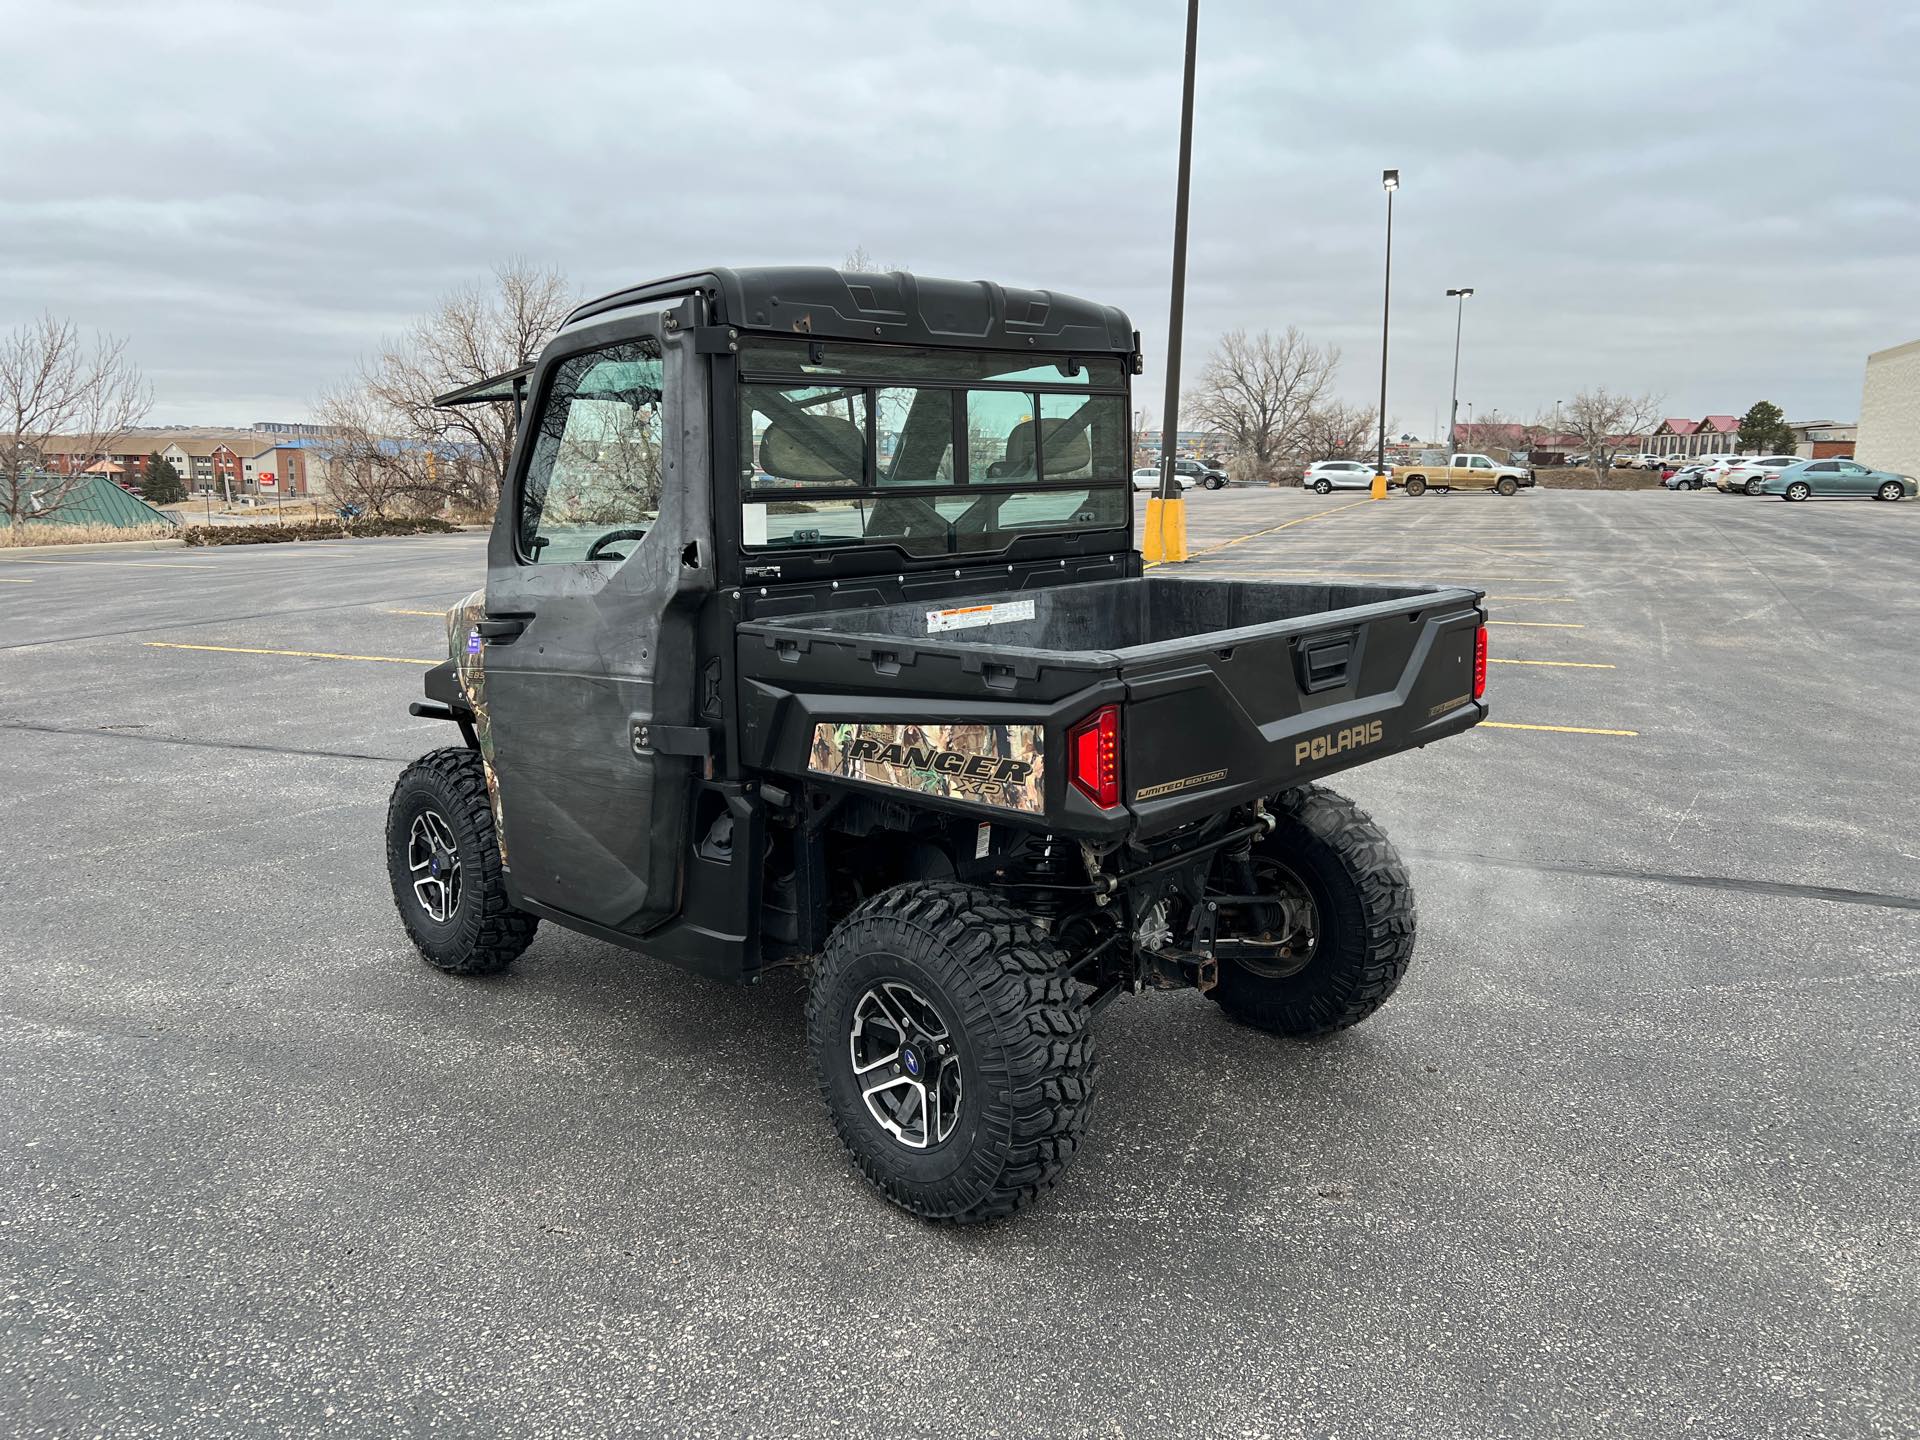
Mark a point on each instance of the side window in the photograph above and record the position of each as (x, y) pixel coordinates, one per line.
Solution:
(1825, 467)
(593, 482)
(1480, 462)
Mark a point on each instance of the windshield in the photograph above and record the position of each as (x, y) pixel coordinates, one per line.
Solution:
(929, 451)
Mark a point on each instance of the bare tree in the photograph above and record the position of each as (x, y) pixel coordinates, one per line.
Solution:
(472, 334)
(1607, 423)
(1335, 430)
(861, 263)
(1258, 391)
(56, 389)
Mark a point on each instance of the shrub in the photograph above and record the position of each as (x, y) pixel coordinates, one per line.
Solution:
(270, 534)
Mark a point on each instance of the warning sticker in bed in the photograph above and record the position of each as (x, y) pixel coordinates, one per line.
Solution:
(972, 617)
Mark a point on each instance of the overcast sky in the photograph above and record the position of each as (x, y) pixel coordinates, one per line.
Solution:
(1720, 203)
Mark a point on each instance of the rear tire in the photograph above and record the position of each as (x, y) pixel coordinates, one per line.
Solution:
(1416, 485)
(1755, 487)
(1798, 490)
(1323, 487)
(965, 972)
(443, 859)
(1365, 920)
(1892, 490)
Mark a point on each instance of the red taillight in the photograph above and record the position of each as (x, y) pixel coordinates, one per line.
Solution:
(1480, 662)
(1094, 748)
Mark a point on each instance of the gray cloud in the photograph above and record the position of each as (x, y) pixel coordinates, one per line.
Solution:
(1712, 201)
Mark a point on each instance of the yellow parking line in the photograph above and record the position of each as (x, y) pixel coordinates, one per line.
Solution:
(1256, 534)
(436, 614)
(1559, 729)
(1557, 664)
(9, 580)
(1539, 624)
(1429, 576)
(124, 564)
(300, 654)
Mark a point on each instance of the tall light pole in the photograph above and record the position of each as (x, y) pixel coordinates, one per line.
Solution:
(1459, 314)
(1167, 522)
(1390, 182)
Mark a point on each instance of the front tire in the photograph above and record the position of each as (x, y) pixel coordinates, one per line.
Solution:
(952, 1050)
(443, 859)
(1506, 485)
(1892, 490)
(1362, 920)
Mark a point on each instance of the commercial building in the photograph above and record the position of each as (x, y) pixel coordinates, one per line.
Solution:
(1889, 429)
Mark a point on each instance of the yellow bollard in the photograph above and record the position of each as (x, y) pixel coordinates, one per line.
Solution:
(1173, 525)
(1151, 549)
(1379, 487)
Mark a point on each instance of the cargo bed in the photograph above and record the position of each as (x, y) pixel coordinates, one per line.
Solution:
(1228, 689)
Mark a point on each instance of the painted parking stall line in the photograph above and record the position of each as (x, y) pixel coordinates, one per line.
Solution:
(297, 654)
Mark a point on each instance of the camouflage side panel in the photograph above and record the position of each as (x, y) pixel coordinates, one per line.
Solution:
(999, 765)
(470, 664)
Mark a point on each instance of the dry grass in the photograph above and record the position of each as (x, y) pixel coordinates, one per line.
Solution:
(14, 536)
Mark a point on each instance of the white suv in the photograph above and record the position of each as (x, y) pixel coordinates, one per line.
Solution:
(1326, 475)
(1747, 476)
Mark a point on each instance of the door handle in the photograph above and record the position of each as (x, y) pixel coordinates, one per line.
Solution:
(503, 628)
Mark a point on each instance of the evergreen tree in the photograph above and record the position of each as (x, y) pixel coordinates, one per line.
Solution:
(163, 485)
(1764, 430)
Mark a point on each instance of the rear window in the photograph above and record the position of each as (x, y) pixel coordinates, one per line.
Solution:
(934, 452)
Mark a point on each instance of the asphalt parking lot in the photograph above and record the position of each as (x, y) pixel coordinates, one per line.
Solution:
(1632, 1152)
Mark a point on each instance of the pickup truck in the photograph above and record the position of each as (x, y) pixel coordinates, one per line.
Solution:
(742, 692)
(1436, 470)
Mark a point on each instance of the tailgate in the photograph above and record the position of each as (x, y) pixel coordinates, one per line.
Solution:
(1222, 718)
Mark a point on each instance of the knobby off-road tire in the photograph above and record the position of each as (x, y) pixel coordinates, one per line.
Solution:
(483, 931)
(1366, 920)
(996, 984)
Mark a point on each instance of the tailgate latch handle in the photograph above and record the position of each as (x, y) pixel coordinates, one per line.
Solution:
(1320, 663)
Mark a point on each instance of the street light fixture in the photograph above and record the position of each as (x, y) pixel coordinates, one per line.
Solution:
(1389, 182)
(1453, 410)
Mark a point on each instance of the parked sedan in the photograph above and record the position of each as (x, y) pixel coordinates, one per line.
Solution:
(1808, 478)
(1147, 479)
(1746, 477)
(1687, 477)
(1325, 475)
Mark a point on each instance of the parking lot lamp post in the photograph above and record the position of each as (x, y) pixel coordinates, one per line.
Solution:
(1166, 537)
(1390, 182)
(1459, 314)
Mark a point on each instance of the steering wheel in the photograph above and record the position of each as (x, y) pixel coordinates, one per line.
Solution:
(593, 550)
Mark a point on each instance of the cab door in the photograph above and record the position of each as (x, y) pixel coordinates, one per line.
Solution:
(600, 556)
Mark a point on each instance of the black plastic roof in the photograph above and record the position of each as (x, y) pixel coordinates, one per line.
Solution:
(896, 307)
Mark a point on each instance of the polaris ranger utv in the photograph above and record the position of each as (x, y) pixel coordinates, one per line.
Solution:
(813, 633)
